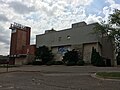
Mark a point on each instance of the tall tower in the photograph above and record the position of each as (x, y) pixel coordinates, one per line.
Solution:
(20, 39)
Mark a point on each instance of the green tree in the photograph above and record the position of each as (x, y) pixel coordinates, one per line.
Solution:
(118, 58)
(111, 29)
(96, 59)
(72, 58)
(114, 21)
(44, 54)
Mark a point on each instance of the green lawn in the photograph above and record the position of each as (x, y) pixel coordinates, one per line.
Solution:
(109, 75)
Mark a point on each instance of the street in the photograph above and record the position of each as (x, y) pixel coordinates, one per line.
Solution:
(56, 78)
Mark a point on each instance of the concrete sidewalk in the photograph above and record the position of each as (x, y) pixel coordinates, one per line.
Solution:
(62, 68)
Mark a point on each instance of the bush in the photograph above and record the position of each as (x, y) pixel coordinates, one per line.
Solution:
(37, 63)
(118, 59)
(80, 63)
(71, 57)
(96, 59)
(44, 54)
(54, 63)
(58, 63)
(50, 63)
(70, 63)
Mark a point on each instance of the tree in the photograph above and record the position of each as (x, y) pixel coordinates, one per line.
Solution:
(96, 59)
(118, 58)
(70, 57)
(44, 54)
(111, 29)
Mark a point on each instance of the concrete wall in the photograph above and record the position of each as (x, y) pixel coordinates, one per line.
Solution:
(24, 60)
(87, 51)
(77, 35)
(108, 49)
(59, 52)
(20, 61)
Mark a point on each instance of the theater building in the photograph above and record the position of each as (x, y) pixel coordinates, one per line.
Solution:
(79, 37)
(21, 52)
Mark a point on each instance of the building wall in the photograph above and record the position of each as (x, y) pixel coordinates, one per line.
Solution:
(13, 44)
(84, 51)
(108, 49)
(79, 37)
(21, 41)
(87, 51)
(21, 52)
(72, 36)
(20, 61)
(59, 52)
(20, 38)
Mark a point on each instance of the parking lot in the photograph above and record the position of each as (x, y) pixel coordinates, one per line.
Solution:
(56, 78)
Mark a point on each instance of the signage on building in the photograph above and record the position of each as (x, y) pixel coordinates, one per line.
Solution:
(17, 25)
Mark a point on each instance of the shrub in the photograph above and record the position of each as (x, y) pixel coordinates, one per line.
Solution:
(118, 59)
(44, 54)
(50, 63)
(96, 59)
(71, 57)
(80, 63)
(70, 63)
(58, 63)
(37, 63)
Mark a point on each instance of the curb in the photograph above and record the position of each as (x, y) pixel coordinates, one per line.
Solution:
(18, 71)
(100, 78)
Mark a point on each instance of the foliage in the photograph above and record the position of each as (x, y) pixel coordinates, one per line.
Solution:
(50, 63)
(36, 63)
(44, 54)
(111, 28)
(96, 59)
(80, 63)
(58, 63)
(115, 17)
(54, 63)
(118, 58)
(70, 63)
(71, 57)
(101, 29)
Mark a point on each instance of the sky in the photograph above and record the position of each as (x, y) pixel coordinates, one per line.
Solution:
(43, 15)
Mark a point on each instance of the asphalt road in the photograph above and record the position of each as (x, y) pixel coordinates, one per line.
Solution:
(56, 78)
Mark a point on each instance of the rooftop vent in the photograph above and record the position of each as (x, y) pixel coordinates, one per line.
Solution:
(80, 24)
(50, 31)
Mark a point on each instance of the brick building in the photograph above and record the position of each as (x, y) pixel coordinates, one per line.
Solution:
(20, 48)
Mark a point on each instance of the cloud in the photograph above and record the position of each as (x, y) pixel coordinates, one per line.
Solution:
(4, 40)
(115, 6)
(4, 36)
(93, 19)
(4, 49)
(3, 18)
(109, 9)
(21, 8)
(110, 1)
(43, 15)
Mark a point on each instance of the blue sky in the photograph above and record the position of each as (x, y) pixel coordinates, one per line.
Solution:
(43, 15)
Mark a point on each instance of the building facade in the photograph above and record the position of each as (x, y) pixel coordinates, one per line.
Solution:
(81, 38)
(20, 48)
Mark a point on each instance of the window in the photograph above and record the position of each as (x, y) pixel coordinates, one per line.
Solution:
(68, 37)
(59, 39)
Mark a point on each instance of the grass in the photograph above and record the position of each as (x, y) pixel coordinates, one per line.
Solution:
(109, 75)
